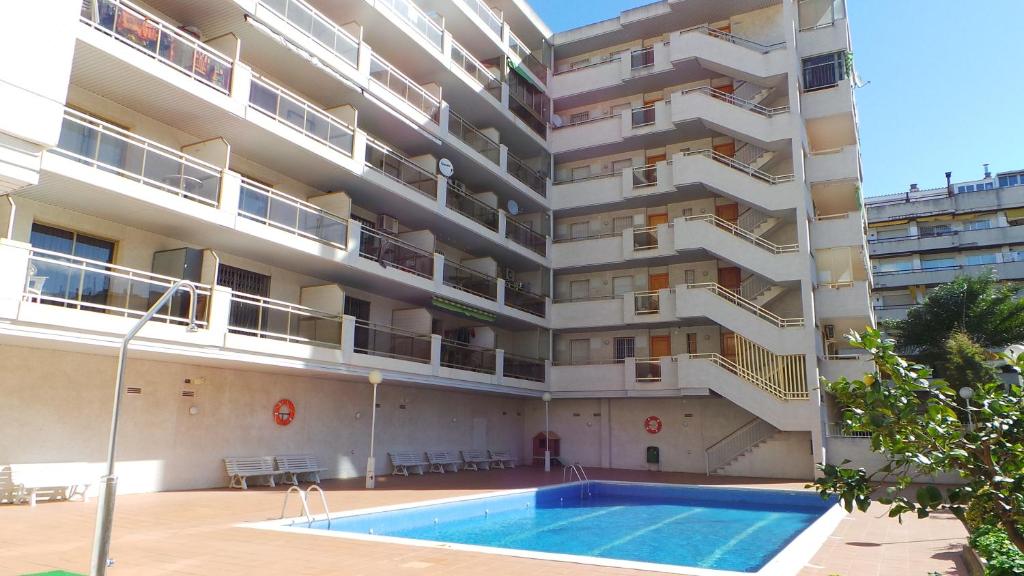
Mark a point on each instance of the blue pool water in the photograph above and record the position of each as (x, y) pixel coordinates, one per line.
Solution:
(715, 528)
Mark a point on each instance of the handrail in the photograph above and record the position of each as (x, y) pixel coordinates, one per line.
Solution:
(476, 69)
(736, 299)
(399, 168)
(837, 430)
(642, 58)
(366, 342)
(144, 31)
(751, 219)
(341, 43)
(528, 176)
(314, 122)
(734, 39)
(374, 244)
(310, 221)
(418, 19)
(460, 200)
(648, 234)
(594, 236)
(391, 78)
(737, 101)
(293, 314)
(525, 236)
(473, 137)
(750, 376)
(754, 286)
(302, 499)
(462, 279)
(323, 501)
(647, 302)
(463, 356)
(525, 300)
(488, 16)
(572, 180)
(743, 234)
(643, 116)
(523, 367)
(82, 139)
(538, 68)
(644, 176)
(735, 443)
(737, 165)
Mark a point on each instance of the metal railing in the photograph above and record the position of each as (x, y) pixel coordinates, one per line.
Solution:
(737, 442)
(535, 66)
(399, 168)
(644, 176)
(287, 108)
(468, 280)
(491, 20)
(476, 69)
(389, 251)
(641, 59)
(733, 39)
(520, 171)
(642, 116)
(472, 136)
(754, 286)
(467, 357)
(745, 235)
(536, 102)
(140, 29)
(648, 369)
(414, 16)
(837, 430)
(390, 342)
(277, 320)
(262, 204)
(315, 25)
(751, 219)
(459, 199)
(737, 165)
(737, 300)
(799, 393)
(588, 236)
(522, 299)
(646, 302)
(645, 238)
(824, 75)
(737, 101)
(400, 85)
(525, 236)
(60, 279)
(523, 368)
(109, 148)
(747, 154)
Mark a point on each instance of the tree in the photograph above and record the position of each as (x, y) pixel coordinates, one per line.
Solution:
(988, 311)
(919, 426)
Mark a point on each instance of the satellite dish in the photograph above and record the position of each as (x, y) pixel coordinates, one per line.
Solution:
(513, 207)
(445, 167)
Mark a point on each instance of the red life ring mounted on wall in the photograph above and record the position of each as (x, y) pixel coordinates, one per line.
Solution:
(652, 425)
(284, 412)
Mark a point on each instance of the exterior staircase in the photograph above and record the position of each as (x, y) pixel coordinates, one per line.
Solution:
(759, 290)
(728, 309)
(753, 156)
(752, 93)
(756, 222)
(722, 454)
(727, 241)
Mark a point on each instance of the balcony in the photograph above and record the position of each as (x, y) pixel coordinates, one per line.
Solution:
(588, 313)
(623, 73)
(474, 138)
(387, 76)
(296, 113)
(524, 368)
(518, 297)
(476, 70)
(611, 133)
(528, 176)
(399, 169)
(649, 307)
(843, 300)
(705, 112)
(825, 103)
(852, 366)
(836, 164)
(267, 206)
(591, 377)
(614, 187)
(460, 356)
(470, 281)
(269, 319)
(948, 241)
(827, 36)
(631, 244)
(520, 52)
(835, 230)
(387, 342)
(316, 26)
(390, 252)
(941, 275)
(525, 236)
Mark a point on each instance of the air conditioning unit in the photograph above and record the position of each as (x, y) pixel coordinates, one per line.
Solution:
(387, 224)
(830, 331)
(510, 275)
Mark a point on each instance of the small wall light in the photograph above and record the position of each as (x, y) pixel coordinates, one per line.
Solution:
(193, 410)
(358, 415)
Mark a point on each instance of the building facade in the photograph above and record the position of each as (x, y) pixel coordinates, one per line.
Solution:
(656, 215)
(919, 239)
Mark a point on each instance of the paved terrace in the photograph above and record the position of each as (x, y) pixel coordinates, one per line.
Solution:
(193, 533)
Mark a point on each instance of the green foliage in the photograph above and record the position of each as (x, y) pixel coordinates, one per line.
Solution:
(994, 545)
(919, 424)
(989, 312)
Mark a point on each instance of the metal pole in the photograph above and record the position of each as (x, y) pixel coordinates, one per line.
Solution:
(547, 439)
(375, 378)
(108, 490)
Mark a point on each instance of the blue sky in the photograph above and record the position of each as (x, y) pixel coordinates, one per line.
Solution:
(946, 87)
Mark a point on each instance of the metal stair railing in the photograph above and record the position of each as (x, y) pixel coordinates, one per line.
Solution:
(742, 167)
(744, 234)
(736, 443)
(730, 98)
(737, 300)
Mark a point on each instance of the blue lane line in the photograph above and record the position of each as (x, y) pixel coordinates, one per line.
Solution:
(721, 550)
(640, 533)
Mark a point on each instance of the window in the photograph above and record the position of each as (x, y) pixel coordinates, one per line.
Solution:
(245, 316)
(884, 266)
(939, 262)
(64, 285)
(579, 351)
(1011, 180)
(581, 172)
(625, 347)
(980, 224)
(579, 117)
(691, 343)
(579, 289)
(687, 212)
(979, 259)
(622, 285)
(887, 233)
(935, 230)
(690, 276)
(620, 223)
(824, 71)
(579, 230)
(965, 188)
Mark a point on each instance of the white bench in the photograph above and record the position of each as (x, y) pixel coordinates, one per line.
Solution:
(440, 460)
(241, 469)
(292, 466)
(475, 460)
(502, 457)
(402, 462)
(55, 480)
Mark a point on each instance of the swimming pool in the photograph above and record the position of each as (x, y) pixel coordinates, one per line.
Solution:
(671, 528)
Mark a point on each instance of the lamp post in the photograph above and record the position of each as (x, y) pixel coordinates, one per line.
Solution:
(375, 378)
(967, 393)
(108, 488)
(547, 433)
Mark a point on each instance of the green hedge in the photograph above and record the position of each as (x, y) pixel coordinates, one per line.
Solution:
(994, 545)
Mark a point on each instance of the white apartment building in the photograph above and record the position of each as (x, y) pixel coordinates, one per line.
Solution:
(655, 215)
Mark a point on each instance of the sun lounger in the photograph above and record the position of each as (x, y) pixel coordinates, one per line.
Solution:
(440, 460)
(475, 460)
(502, 458)
(404, 462)
(241, 469)
(294, 466)
(54, 480)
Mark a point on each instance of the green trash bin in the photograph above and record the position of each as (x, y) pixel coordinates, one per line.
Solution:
(653, 455)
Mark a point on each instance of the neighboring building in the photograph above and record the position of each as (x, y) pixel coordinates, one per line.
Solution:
(696, 164)
(922, 238)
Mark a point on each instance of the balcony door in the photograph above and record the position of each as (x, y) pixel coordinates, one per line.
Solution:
(729, 278)
(360, 310)
(729, 345)
(64, 281)
(728, 212)
(656, 219)
(726, 149)
(661, 346)
(657, 282)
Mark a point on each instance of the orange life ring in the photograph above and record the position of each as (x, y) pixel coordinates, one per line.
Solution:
(652, 424)
(284, 412)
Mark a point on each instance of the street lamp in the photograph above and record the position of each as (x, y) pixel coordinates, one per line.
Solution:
(547, 433)
(967, 393)
(375, 378)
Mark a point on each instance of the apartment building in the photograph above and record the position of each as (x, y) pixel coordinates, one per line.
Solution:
(656, 215)
(921, 238)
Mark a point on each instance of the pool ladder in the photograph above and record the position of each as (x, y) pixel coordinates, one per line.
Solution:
(577, 470)
(304, 499)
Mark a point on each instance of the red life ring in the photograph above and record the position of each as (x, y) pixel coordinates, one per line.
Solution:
(652, 424)
(284, 412)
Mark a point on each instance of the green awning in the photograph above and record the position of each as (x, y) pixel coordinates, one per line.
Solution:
(463, 309)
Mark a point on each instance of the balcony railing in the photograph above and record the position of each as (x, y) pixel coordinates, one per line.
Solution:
(643, 116)
(522, 299)
(262, 204)
(460, 200)
(539, 70)
(312, 23)
(737, 165)
(471, 136)
(397, 167)
(523, 368)
(525, 236)
(737, 101)
(520, 171)
(289, 109)
(737, 300)
(276, 320)
(389, 251)
(648, 369)
(645, 176)
(488, 16)
(400, 85)
(389, 342)
(824, 75)
(645, 238)
(58, 279)
(419, 20)
(534, 103)
(468, 280)
(745, 235)
(646, 302)
(641, 59)
(476, 69)
(467, 357)
(754, 286)
(733, 39)
(120, 152)
(837, 430)
(143, 31)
